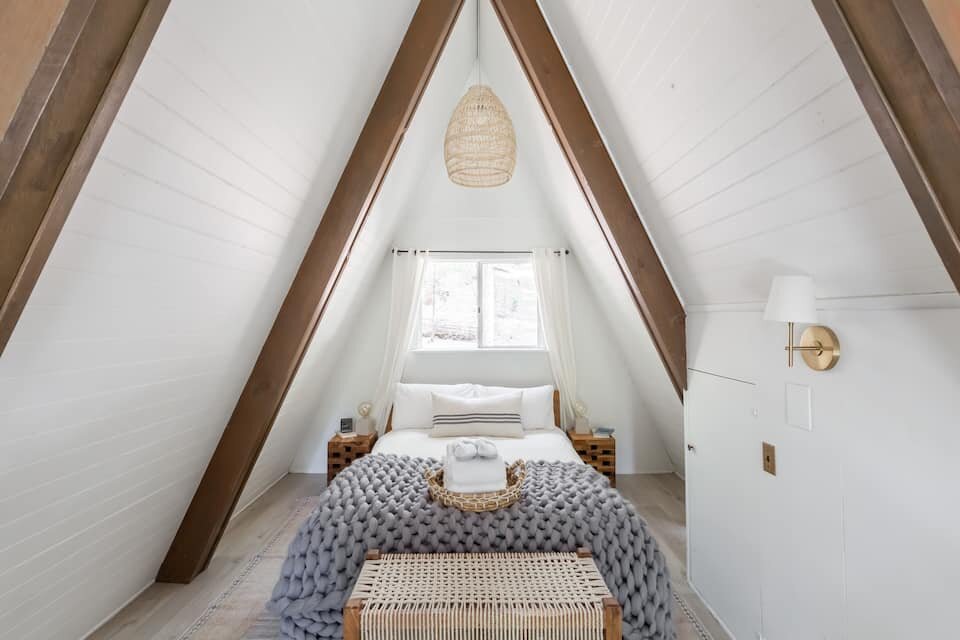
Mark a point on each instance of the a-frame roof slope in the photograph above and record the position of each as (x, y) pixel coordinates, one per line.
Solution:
(273, 374)
(751, 155)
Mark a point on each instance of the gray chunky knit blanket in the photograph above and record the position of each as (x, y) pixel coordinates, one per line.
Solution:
(380, 502)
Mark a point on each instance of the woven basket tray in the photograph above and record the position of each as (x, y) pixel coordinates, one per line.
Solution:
(478, 502)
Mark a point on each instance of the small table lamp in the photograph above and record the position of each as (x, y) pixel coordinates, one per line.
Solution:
(792, 300)
(365, 424)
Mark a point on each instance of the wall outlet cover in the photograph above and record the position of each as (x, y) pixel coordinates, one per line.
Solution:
(799, 411)
(770, 458)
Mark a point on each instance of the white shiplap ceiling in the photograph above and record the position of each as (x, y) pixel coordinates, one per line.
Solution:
(159, 292)
(396, 214)
(732, 122)
(538, 147)
(746, 147)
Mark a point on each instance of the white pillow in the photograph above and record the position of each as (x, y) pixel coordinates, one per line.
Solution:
(536, 406)
(413, 405)
(497, 416)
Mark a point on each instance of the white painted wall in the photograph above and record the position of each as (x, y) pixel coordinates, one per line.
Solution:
(573, 218)
(744, 143)
(623, 381)
(512, 217)
(855, 536)
(145, 323)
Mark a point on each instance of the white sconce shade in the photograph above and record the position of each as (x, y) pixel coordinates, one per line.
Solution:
(791, 299)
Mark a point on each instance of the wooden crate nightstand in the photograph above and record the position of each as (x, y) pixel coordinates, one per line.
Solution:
(599, 453)
(342, 451)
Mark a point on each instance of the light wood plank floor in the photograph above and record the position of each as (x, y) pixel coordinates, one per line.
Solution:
(659, 499)
(164, 611)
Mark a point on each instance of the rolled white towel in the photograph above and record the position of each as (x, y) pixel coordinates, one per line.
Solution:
(470, 448)
(464, 450)
(486, 448)
(475, 474)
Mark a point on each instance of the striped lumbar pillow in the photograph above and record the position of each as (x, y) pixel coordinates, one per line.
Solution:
(491, 416)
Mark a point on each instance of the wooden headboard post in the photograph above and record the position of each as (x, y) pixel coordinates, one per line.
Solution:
(556, 413)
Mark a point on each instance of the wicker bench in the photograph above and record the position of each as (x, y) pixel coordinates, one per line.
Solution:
(468, 596)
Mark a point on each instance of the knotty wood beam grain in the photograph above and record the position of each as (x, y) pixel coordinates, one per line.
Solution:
(595, 171)
(303, 307)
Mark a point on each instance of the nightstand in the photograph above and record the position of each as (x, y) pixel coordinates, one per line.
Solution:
(342, 451)
(599, 453)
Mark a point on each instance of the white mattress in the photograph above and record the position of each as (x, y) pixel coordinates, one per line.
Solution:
(551, 445)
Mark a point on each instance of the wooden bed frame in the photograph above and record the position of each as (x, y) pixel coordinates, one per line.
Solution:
(556, 412)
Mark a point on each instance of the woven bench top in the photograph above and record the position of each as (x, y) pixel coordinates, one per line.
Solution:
(514, 578)
(558, 595)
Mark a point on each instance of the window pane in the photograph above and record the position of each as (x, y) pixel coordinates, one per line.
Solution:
(448, 311)
(510, 305)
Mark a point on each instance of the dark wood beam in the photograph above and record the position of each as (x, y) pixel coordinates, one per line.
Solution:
(910, 86)
(56, 131)
(600, 181)
(946, 16)
(304, 304)
(26, 27)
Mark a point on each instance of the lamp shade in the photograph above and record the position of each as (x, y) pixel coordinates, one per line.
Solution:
(480, 149)
(791, 299)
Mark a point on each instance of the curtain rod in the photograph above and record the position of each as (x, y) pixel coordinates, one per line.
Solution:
(432, 251)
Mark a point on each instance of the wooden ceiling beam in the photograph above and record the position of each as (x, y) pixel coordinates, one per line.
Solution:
(60, 122)
(303, 307)
(602, 186)
(910, 86)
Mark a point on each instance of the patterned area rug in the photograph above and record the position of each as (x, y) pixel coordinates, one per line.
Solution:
(239, 613)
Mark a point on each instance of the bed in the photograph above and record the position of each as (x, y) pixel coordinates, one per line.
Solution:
(380, 502)
(548, 443)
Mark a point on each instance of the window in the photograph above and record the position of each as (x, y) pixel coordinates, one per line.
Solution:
(479, 304)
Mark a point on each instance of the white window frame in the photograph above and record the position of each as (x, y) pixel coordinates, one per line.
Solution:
(480, 260)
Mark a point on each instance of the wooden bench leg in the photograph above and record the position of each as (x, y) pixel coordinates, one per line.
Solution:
(612, 620)
(351, 619)
(351, 611)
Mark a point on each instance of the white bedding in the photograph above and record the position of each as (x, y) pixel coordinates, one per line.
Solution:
(551, 445)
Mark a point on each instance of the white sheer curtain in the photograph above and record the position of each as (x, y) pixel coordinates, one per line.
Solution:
(550, 270)
(406, 279)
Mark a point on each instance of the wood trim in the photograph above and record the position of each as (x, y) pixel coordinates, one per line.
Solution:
(57, 130)
(303, 307)
(595, 171)
(910, 87)
(556, 413)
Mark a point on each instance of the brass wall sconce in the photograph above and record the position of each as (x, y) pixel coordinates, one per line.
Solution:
(792, 300)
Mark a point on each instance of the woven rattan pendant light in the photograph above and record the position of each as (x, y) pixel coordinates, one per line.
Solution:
(480, 148)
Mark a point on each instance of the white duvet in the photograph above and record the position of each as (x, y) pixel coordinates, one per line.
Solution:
(551, 445)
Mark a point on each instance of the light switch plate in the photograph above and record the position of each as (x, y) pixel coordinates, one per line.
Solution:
(798, 406)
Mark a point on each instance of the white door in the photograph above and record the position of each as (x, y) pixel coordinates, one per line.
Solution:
(723, 501)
